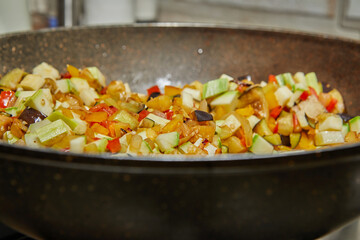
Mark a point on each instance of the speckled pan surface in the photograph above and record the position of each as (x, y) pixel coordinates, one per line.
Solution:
(51, 195)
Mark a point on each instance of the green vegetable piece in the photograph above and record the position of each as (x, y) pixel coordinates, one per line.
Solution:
(97, 146)
(355, 124)
(76, 124)
(126, 117)
(312, 81)
(41, 101)
(147, 123)
(49, 133)
(97, 75)
(280, 80)
(32, 82)
(260, 145)
(79, 84)
(274, 139)
(10, 138)
(33, 127)
(288, 80)
(167, 141)
(101, 144)
(218, 124)
(262, 128)
(345, 129)
(89, 96)
(300, 87)
(224, 149)
(14, 111)
(157, 120)
(145, 148)
(24, 94)
(77, 144)
(184, 148)
(58, 115)
(32, 140)
(215, 87)
(65, 85)
(12, 78)
(227, 100)
(294, 139)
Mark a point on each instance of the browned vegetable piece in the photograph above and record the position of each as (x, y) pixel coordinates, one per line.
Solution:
(30, 116)
(4, 124)
(116, 90)
(203, 116)
(255, 97)
(18, 128)
(50, 84)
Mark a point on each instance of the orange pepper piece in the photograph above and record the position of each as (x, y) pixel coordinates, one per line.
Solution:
(100, 129)
(96, 117)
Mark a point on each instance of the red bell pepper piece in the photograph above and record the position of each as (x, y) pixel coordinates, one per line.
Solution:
(169, 114)
(143, 114)
(241, 88)
(275, 112)
(103, 90)
(276, 128)
(295, 120)
(272, 79)
(5, 98)
(330, 107)
(313, 92)
(304, 95)
(65, 75)
(114, 145)
(153, 89)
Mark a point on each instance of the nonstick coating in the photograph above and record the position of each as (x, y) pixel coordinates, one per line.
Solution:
(52, 195)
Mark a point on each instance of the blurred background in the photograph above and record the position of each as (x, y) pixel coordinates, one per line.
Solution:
(330, 17)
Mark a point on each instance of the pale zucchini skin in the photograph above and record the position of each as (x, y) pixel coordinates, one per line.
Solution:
(295, 139)
(274, 139)
(260, 145)
(355, 124)
(50, 131)
(167, 141)
(41, 100)
(157, 120)
(215, 87)
(77, 145)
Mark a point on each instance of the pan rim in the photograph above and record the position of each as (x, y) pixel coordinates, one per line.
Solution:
(228, 26)
(284, 160)
(222, 164)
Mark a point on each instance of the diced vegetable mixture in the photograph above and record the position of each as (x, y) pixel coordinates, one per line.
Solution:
(75, 111)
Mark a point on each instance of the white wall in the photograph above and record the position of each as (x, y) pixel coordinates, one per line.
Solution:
(14, 16)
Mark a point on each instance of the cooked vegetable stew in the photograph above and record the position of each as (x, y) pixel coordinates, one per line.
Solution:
(76, 111)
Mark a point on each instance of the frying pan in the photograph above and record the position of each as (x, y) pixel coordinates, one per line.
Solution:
(54, 195)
